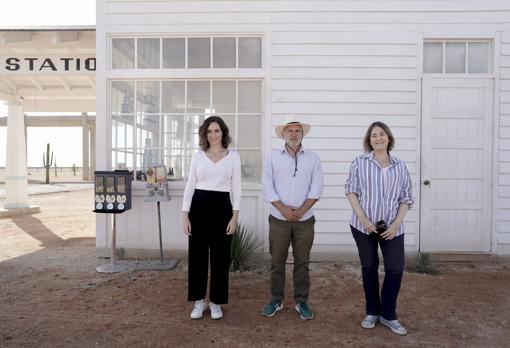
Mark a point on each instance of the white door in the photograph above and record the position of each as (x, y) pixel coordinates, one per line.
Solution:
(456, 164)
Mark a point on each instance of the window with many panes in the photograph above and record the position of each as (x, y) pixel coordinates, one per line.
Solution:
(457, 56)
(187, 53)
(157, 120)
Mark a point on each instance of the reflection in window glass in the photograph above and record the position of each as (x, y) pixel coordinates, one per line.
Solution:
(478, 57)
(172, 97)
(251, 165)
(123, 53)
(251, 128)
(174, 54)
(455, 58)
(249, 97)
(148, 53)
(224, 49)
(123, 97)
(174, 145)
(433, 57)
(250, 52)
(198, 97)
(224, 97)
(231, 124)
(199, 53)
(147, 97)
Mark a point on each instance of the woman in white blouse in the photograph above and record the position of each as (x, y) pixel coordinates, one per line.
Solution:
(210, 209)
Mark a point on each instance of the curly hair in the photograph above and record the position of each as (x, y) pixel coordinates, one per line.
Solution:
(202, 132)
(366, 140)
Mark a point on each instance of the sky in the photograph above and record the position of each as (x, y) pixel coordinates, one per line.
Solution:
(66, 142)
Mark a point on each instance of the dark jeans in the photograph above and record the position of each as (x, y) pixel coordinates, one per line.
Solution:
(394, 258)
(209, 215)
(281, 234)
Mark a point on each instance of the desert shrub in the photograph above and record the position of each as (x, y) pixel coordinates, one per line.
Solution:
(422, 263)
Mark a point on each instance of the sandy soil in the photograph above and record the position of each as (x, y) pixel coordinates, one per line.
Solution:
(51, 296)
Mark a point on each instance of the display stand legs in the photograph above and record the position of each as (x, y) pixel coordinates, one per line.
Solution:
(112, 267)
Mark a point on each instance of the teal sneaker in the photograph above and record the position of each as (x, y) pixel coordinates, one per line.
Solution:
(304, 311)
(272, 307)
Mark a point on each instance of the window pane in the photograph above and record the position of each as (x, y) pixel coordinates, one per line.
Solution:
(122, 132)
(224, 52)
(249, 97)
(173, 53)
(231, 124)
(172, 97)
(249, 133)
(250, 165)
(148, 139)
(478, 57)
(224, 97)
(198, 97)
(123, 53)
(455, 59)
(148, 53)
(147, 97)
(123, 97)
(433, 57)
(199, 53)
(250, 52)
(174, 146)
(192, 140)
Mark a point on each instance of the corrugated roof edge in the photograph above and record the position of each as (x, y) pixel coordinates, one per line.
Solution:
(50, 28)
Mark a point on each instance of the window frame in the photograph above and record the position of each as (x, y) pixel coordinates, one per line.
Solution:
(466, 73)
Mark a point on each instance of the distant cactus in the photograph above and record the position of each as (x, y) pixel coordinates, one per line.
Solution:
(74, 169)
(47, 162)
(55, 165)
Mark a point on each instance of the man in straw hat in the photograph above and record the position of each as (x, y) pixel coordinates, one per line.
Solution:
(292, 183)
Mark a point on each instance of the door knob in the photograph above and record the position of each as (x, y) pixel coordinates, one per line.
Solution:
(426, 182)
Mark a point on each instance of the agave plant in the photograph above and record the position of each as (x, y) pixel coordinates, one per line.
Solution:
(244, 243)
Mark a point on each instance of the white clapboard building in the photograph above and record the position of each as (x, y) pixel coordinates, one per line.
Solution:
(437, 72)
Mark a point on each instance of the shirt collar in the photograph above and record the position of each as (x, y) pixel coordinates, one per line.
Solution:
(284, 149)
(370, 155)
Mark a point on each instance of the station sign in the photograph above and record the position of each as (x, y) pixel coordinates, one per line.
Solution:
(16, 64)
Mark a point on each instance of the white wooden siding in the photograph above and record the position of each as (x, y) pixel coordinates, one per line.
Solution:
(503, 184)
(341, 65)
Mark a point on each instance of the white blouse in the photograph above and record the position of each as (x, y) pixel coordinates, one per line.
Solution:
(223, 176)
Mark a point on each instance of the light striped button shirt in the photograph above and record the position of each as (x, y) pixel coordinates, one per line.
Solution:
(377, 201)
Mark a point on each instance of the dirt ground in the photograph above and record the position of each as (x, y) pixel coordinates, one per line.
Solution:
(51, 296)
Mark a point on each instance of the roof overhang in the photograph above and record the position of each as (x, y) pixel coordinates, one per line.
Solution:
(49, 69)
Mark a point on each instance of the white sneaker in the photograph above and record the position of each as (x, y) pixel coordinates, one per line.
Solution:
(198, 310)
(369, 321)
(216, 312)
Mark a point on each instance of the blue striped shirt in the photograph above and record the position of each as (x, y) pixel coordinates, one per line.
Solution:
(365, 179)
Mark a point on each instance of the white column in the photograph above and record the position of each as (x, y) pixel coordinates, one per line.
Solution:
(92, 150)
(85, 149)
(16, 180)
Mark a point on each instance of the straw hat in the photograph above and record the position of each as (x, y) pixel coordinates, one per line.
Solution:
(290, 120)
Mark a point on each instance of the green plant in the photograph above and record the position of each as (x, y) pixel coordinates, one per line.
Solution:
(47, 162)
(244, 243)
(422, 263)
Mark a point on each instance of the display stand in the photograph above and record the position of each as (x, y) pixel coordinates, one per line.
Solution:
(157, 191)
(162, 265)
(112, 267)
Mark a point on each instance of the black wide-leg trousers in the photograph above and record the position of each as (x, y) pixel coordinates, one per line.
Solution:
(209, 215)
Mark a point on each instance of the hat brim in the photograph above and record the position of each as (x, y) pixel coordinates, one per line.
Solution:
(279, 130)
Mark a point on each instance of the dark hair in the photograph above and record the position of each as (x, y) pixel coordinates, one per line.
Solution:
(366, 140)
(202, 132)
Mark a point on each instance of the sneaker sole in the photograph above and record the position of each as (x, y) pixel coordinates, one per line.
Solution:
(392, 329)
(297, 310)
(270, 315)
(368, 327)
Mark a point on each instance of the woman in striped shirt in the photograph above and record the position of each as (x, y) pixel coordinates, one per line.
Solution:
(379, 190)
